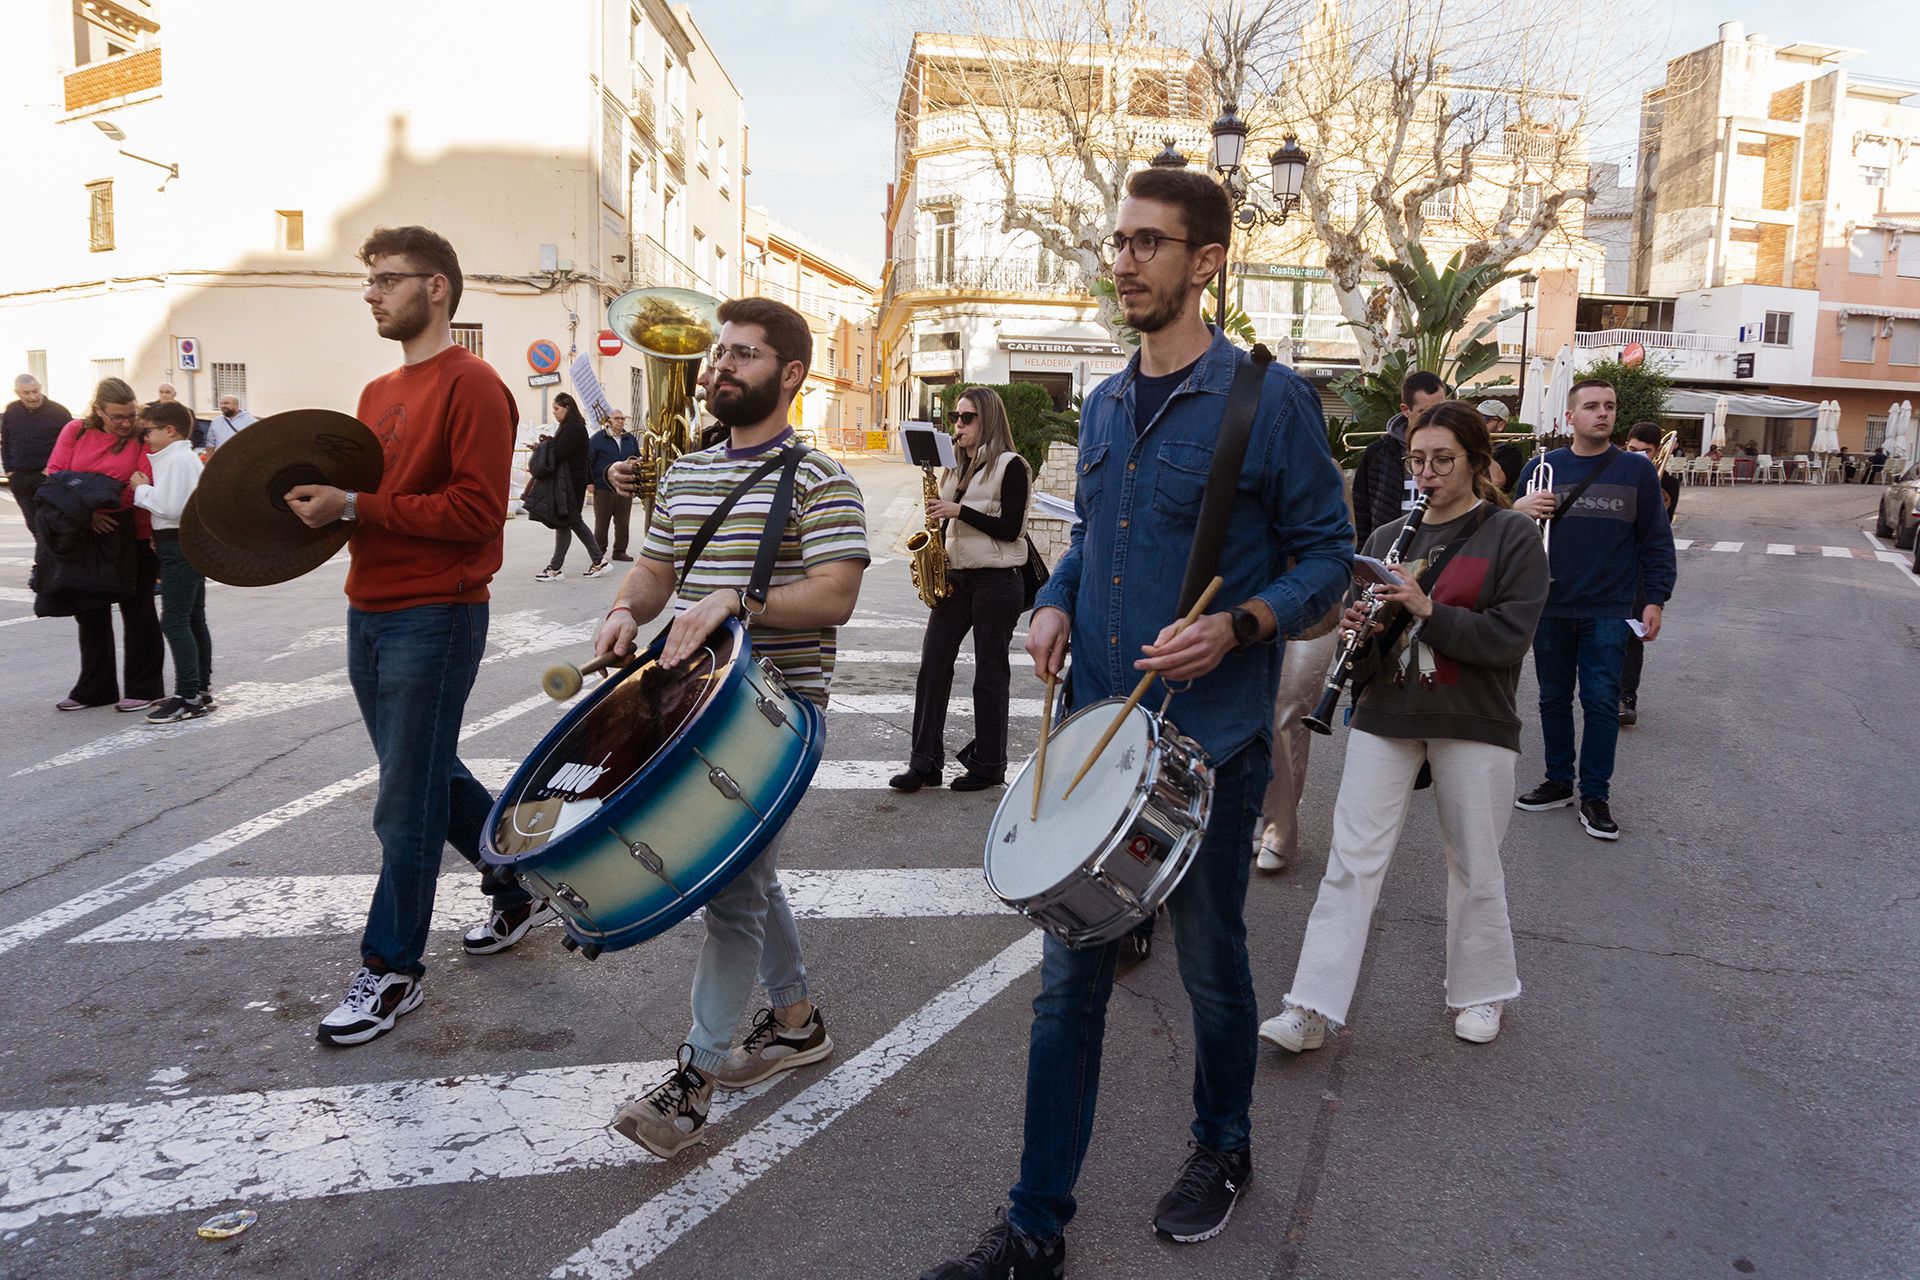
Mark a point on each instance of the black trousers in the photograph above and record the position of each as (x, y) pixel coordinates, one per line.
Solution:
(145, 657)
(576, 527)
(24, 485)
(610, 508)
(986, 602)
(183, 617)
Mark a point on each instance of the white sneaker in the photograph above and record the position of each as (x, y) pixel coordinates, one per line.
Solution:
(1478, 1023)
(549, 575)
(1296, 1029)
(1266, 851)
(503, 929)
(598, 568)
(374, 1003)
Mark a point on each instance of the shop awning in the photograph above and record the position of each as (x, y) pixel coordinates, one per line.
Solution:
(1698, 404)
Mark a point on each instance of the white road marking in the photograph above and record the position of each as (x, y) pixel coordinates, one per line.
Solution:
(1874, 541)
(314, 638)
(135, 1159)
(1837, 553)
(1682, 544)
(889, 704)
(223, 908)
(14, 622)
(16, 595)
(834, 775)
(1780, 548)
(1893, 557)
(655, 1226)
(45, 922)
(896, 657)
(19, 562)
(1726, 546)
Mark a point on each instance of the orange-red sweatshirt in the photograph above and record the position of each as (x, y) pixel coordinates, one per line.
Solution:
(433, 532)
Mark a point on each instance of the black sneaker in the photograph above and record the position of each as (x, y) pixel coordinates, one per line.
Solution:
(1548, 795)
(1598, 820)
(206, 701)
(169, 710)
(1005, 1254)
(1136, 947)
(1201, 1200)
(914, 779)
(1629, 715)
(971, 781)
(505, 928)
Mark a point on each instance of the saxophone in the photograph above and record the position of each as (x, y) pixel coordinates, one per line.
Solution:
(928, 551)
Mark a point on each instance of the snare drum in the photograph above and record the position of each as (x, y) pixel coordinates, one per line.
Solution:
(1099, 862)
(654, 793)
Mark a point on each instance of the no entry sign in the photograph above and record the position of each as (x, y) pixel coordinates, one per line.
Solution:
(610, 344)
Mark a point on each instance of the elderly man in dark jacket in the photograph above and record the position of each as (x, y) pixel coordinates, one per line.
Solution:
(28, 428)
(1382, 489)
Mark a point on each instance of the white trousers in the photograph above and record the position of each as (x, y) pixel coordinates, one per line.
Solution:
(1473, 791)
(1303, 674)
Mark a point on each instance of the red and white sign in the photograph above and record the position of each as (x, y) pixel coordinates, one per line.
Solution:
(186, 354)
(610, 344)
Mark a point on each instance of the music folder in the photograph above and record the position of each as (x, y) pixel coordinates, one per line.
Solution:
(924, 445)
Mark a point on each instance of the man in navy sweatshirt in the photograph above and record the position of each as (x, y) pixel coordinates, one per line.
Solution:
(1610, 540)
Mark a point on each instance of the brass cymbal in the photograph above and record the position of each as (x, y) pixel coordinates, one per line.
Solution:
(237, 527)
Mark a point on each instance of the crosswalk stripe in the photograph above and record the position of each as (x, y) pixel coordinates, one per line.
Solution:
(1726, 546)
(220, 908)
(1682, 544)
(896, 657)
(891, 704)
(834, 775)
(653, 1228)
(16, 595)
(1780, 548)
(126, 1160)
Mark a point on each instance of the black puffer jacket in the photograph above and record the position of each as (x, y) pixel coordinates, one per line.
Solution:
(1381, 492)
(74, 567)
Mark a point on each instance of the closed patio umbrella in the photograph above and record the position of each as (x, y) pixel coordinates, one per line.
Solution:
(1553, 414)
(1718, 438)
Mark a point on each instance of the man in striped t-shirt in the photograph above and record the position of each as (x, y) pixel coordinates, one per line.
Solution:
(756, 369)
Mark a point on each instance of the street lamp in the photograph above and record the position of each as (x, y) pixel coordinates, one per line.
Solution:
(1289, 170)
(1528, 283)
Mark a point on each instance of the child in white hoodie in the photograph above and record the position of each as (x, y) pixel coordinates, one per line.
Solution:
(168, 428)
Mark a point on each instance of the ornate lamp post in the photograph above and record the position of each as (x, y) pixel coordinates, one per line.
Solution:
(1528, 283)
(1288, 167)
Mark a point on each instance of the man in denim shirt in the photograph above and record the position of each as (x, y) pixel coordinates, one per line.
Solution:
(1146, 444)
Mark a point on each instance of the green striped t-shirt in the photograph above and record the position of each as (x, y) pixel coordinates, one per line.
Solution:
(827, 523)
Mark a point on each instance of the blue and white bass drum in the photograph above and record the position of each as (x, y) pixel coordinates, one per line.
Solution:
(645, 800)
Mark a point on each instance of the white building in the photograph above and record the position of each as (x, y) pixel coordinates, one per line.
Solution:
(209, 169)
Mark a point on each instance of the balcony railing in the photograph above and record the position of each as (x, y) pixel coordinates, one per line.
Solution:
(676, 139)
(990, 127)
(654, 264)
(1657, 340)
(641, 108)
(118, 77)
(993, 275)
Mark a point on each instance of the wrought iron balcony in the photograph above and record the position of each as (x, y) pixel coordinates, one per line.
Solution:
(990, 275)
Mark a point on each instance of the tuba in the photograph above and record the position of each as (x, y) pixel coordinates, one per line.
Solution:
(673, 329)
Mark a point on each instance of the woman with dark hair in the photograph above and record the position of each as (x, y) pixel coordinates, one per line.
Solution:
(983, 504)
(571, 469)
(1439, 698)
(106, 443)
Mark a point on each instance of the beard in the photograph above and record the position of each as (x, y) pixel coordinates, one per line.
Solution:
(1155, 311)
(743, 404)
(405, 323)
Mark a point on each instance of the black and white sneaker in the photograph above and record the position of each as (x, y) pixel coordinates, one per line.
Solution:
(771, 1048)
(374, 1002)
(1548, 795)
(169, 710)
(1201, 1199)
(505, 928)
(1598, 820)
(1004, 1254)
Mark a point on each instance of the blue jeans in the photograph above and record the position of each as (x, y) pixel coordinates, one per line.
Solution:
(750, 930)
(1589, 650)
(411, 671)
(1070, 1013)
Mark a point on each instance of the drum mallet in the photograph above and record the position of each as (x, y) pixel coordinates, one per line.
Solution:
(1040, 761)
(562, 680)
(1140, 690)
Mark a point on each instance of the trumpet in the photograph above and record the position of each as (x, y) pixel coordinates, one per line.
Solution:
(1355, 643)
(1541, 481)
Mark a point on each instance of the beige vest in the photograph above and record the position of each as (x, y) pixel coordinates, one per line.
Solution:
(968, 547)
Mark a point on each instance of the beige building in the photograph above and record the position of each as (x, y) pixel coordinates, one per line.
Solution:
(840, 403)
(190, 178)
(1777, 218)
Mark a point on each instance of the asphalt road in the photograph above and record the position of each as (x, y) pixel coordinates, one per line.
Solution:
(1710, 1073)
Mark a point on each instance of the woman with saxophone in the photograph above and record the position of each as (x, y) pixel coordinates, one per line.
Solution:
(1438, 695)
(983, 508)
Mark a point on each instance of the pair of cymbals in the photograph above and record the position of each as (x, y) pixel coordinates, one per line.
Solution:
(238, 528)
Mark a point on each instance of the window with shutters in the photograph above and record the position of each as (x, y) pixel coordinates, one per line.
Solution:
(1909, 256)
(106, 369)
(229, 380)
(37, 366)
(1876, 433)
(290, 230)
(1866, 253)
(1856, 340)
(471, 337)
(100, 216)
(1904, 346)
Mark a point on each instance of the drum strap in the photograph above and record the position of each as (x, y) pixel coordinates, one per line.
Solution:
(787, 463)
(1229, 451)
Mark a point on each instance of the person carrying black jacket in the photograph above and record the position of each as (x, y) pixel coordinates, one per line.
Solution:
(571, 470)
(1382, 493)
(28, 428)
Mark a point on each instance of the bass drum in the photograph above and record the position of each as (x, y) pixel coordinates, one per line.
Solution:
(652, 794)
(1102, 860)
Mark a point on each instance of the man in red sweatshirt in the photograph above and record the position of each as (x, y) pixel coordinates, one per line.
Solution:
(424, 549)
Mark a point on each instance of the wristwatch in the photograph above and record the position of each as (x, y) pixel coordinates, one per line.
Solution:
(1246, 627)
(350, 512)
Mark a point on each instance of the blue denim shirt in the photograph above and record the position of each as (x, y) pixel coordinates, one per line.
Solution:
(1138, 500)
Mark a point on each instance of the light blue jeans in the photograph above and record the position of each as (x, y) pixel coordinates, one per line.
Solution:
(750, 929)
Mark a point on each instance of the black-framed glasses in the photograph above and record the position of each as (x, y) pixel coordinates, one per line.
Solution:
(385, 281)
(120, 419)
(739, 353)
(965, 417)
(1441, 464)
(1143, 243)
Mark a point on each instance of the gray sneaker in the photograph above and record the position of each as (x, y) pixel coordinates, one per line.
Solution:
(771, 1048)
(674, 1115)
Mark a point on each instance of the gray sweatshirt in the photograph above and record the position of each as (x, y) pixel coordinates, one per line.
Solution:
(1486, 605)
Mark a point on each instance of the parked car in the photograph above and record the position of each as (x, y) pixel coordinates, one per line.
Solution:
(1899, 513)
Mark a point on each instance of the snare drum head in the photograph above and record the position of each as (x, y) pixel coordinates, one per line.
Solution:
(608, 742)
(1027, 857)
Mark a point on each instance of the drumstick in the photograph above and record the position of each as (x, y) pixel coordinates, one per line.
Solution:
(1140, 690)
(1040, 761)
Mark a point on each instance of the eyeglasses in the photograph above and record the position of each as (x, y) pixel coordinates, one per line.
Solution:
(1144, 244)
(1441, 464)
(384, 281)
(738, 353)
(120, 419)
(965, 417)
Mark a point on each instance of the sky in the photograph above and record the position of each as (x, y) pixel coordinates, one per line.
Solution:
(819, 96)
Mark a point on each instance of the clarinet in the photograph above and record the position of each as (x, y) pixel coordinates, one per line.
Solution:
(1356, 643)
